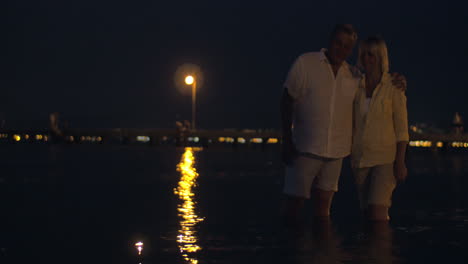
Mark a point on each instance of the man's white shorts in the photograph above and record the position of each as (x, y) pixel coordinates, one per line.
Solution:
(308, 169)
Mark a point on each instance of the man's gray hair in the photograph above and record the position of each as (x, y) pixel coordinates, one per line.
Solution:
(345, 28)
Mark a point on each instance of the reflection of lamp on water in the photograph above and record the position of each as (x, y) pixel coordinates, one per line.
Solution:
(190, 80)
(187, 238)
(139, 247)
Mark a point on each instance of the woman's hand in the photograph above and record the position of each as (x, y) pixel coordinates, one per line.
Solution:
(400, 171)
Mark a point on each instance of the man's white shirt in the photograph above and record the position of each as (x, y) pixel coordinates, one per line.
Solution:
(323, 109)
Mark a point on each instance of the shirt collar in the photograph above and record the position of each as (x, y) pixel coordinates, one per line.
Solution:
(323, 57)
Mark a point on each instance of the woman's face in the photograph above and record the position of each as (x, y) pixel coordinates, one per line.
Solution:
(369, 61)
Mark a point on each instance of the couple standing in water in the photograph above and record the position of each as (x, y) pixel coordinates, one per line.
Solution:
(330, 110)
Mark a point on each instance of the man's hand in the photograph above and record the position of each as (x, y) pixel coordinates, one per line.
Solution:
(288, 152)
(399, 81)
(400, 171)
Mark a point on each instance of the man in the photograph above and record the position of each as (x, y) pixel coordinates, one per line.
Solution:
(317, 121)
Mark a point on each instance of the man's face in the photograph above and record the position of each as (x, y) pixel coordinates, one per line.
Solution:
(341, 47)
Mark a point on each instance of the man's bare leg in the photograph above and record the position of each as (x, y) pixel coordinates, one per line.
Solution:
(321, 203)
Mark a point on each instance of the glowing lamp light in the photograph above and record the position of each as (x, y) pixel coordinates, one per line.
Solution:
(189, 80)
(17, 137)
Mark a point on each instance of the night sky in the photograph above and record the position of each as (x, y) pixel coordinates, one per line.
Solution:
(112, 64)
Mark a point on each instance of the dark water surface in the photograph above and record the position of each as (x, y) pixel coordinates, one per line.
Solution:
(92, 203)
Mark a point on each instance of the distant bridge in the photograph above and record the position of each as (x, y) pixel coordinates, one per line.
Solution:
(198, 137)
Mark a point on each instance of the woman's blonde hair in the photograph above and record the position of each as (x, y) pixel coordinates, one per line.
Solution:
(375, 45)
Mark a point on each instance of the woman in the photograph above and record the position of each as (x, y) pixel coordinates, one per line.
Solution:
(380, 132)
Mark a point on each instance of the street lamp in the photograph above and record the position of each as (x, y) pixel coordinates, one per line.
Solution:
(190, 80)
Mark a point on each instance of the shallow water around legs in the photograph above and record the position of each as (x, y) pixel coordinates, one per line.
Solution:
(141, 204)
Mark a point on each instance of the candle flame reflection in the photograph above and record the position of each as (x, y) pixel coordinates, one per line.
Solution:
(139, 247)
(187, 238)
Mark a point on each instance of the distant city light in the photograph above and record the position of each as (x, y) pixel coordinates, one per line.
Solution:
(415, 129)
(193, 139)
(143, 139)
(272, 141)
(458, 144)
(256, 140)
(421, 143)
(87, 138)
(17, 138)
(241, 140)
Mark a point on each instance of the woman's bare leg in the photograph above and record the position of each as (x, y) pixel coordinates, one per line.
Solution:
(377, 212)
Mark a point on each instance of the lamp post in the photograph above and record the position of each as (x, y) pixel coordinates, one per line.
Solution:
(190, 80)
